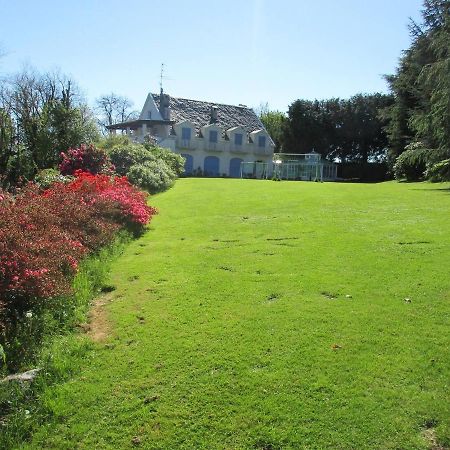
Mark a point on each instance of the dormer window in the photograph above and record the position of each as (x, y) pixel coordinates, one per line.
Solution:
(261, 141)
(186, 134)
(213, 135)
(149, 115)
(238, 139)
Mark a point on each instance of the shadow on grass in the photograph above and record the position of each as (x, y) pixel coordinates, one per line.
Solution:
(446, 189)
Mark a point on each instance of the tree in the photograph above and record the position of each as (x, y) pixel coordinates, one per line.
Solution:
(113, 108)
(274, 122)
(304, 128)
(344, 130)
(46, 115)
(421, 86)
(368, 142)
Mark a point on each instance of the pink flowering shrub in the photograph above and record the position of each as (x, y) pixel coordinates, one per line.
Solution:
(37, 257)
(86, 158)
(131, 202)
(45, 234)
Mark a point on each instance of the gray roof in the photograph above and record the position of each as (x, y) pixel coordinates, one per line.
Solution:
(199, 113)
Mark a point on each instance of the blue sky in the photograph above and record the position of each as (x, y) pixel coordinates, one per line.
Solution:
(247, 51)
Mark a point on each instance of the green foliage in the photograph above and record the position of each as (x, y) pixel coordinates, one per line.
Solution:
(421, 86)
(411, 164)
(173, 161)
(23, 408)
(275, 123)
(7, 149)
(2, 356)
(147, 166)
(125, 156)
(40, 116)
(347, 130)
(154, 176)
(46, 177)
(439, 172)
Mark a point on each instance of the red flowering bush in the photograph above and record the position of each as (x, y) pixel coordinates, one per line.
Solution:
(131, 202)
(44, 234)
(86, 158)
(36, 256)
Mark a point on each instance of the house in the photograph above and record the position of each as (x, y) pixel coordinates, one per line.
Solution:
(213, 138)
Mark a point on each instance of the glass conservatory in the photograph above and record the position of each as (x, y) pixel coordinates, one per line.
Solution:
(305, 166)
(292, 166)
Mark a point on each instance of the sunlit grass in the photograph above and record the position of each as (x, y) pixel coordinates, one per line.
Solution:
(265, 315)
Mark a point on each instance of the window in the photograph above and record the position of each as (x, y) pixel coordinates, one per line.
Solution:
(186, 134)
(238, 139)
(261, 141)
(213, 136)
(149, 114)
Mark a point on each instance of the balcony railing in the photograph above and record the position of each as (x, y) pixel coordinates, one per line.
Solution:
(238, 148)
(186, 143)
(213, 146)
(262, 151)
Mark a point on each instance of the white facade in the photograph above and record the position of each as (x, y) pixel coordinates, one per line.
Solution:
(224, 148)
(209, 149)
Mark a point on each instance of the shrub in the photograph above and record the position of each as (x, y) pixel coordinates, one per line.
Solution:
(131, 203)
(411, 164)
(37, 257)
(174, 161)
(154, 176)
(126, 156)
(439, 171)
(45, 234)
(87, 158)
(45, 178)
(147, 166)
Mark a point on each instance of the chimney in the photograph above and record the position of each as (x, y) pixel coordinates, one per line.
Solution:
(164, 106)
(213, 114)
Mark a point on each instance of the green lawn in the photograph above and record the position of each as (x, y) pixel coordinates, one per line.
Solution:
(265, 315)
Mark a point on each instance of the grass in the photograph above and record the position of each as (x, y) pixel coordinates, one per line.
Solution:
(263, 315)
(47, 341)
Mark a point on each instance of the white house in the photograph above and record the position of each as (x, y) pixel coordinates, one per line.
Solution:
(214, 138)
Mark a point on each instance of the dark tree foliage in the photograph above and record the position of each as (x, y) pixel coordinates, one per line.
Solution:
(421, 87)
(344, 130)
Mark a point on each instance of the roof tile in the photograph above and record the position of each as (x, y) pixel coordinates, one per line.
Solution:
(199, 113)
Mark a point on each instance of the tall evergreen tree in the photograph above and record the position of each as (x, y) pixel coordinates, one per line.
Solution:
(421, 87)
